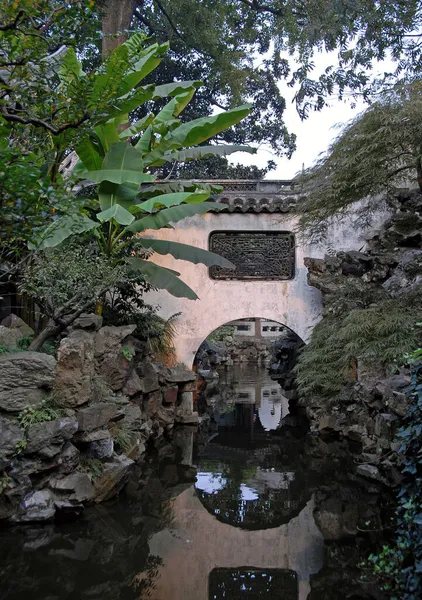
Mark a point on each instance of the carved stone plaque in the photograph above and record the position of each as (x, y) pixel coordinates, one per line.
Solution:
(255, 254)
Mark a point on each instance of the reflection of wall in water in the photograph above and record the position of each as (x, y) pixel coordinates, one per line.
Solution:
(199, 543)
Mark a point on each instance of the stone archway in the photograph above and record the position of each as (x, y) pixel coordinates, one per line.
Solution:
(253, 207)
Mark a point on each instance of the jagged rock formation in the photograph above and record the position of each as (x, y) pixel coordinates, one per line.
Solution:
(72, 429)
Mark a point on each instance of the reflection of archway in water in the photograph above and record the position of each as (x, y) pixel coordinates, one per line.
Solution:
(252, 341)
(243, 478)
(251, 489)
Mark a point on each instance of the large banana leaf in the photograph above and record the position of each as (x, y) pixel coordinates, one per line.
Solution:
(186, 252)
(122, 164)
(91, 155)
(175, 106)
(137, 127)
(114, 193)
(70, 68)
(197, 131)
(149, 59)
(172, 215)
(174, 88)
(116, 213)
(163, 278)
(200, 151)
(131, 101)
(173, 199)
(107, 134)
(61, 229)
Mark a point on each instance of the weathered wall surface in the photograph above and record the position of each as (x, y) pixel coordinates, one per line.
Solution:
(293, 303)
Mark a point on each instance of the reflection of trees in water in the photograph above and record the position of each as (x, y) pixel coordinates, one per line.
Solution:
(274, 503)
(144, 583)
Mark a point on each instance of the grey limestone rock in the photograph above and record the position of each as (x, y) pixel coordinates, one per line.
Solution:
(75, 369)
(41, 435)
(10, 435)
(36, 506)
(77, 486)
(96, 415)
(88, 321)
(116, 473)
(12, 321)
(25, 378)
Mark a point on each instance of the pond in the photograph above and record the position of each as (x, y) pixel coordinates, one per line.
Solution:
(225, 513)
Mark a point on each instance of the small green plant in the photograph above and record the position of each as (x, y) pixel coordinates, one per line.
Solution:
(127, 353)
(24, 342)
(20, 446)
(5, 483)
(93, 467)
(46, 411)
(218, 335)
(123, 440)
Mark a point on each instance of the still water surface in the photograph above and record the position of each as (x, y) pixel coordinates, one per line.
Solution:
(236, 525)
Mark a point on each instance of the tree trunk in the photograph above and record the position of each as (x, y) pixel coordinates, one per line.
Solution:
(51, 330)
(419, 171)
(116, 18)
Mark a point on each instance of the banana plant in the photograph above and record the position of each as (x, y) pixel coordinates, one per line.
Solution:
(117, 156)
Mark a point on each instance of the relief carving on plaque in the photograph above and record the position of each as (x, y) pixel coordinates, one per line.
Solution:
(256, 255)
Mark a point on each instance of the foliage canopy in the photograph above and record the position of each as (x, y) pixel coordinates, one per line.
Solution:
(377, 152)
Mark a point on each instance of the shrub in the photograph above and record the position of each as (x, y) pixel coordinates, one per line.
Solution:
(400, 563)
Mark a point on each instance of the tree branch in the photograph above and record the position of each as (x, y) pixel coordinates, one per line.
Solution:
(40, 123)
(254, 5)
(14, 23)
(176, 31)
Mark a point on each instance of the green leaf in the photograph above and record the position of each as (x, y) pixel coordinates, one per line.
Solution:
(137, 127)
(131, 101)
(70, 69)
(174, 88)
(163, 278)
(144, 143)
(186, 252)
(150, 59)
(122, 164)
(90, 156)
(61, 229)
(197, 131)
(175, 106)
(111, 193)
(116, 212)
(172, 215)
(107, 134)
(173, 199)
(200, 151)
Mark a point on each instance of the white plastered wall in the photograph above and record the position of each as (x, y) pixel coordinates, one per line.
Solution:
(292, 303)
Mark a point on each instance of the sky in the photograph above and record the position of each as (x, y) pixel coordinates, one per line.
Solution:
(314, 134)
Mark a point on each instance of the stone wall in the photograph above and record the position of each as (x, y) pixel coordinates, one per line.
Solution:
(73, 428)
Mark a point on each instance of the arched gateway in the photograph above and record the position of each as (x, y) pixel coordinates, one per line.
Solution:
(256, 233)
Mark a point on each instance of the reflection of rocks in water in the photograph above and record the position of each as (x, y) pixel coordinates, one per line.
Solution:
(100, 556)
(247, 582)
